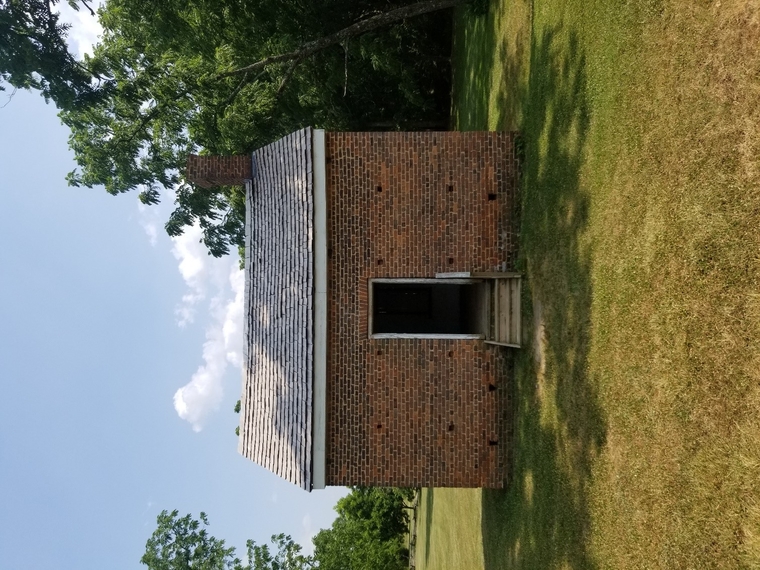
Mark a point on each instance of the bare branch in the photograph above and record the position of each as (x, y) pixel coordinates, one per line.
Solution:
(10, 98)
(239, 86)
(86, 5)
(345, 67)
(361, 27)
(288, 75)
(237, 89)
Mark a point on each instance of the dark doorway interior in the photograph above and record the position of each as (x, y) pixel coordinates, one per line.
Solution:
(426, 308)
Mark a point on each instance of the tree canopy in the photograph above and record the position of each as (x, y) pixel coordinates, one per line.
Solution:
(368, 534)
(34, 53)
(164, 91)
(180, 543)
(183, 543)
(177, 77)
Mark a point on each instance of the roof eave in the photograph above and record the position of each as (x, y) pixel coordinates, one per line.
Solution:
(320, 310)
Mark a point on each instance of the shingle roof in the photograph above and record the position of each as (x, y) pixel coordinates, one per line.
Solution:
(276, 403)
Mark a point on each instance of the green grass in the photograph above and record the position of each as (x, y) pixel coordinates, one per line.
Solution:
(638, 417)
(449, 546)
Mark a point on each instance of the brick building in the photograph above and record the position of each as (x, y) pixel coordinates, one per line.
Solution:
(377, 295)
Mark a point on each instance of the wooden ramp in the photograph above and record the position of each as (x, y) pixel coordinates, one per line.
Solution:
(504, 324)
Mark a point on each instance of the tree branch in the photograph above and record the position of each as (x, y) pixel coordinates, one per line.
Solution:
(10, 98)
(235, 91)
(361, 27)
(345, 67)
(288, 75)
(86, 5)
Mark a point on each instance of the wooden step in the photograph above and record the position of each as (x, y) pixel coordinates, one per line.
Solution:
(505, 322)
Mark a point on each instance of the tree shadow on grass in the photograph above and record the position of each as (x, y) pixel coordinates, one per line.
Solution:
(477, 48)
(472, 73)
(428, 521)
(541, 519)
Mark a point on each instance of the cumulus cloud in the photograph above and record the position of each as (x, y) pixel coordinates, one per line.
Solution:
(149, 218)
(85, 28)
(194, 268)
(152, 231)
(224, 343)
(232, 328)
(213, 296)
(204, 392)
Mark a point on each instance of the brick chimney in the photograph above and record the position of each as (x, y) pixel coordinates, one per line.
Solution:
(208, 171)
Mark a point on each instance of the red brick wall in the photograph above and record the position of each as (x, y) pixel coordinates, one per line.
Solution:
(208, 171)
(414, 412)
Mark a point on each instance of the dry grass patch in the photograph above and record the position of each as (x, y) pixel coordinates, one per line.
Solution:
(637, 430)
(680, 267)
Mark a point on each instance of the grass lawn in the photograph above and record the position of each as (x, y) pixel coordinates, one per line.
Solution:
(638, 417)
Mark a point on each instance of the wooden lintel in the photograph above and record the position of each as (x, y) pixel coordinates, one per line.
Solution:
(502, 343)
(495, 274)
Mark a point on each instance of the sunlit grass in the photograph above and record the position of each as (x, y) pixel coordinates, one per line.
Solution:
(448, 530)
(638, 420)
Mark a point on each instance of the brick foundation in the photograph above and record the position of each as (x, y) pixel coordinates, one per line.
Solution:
(415, 412)
(209, 171)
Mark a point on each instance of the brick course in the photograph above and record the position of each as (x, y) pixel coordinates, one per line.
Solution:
(209, 171)
(415, 412)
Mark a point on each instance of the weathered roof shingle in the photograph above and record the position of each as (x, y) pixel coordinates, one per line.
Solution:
(276, 404)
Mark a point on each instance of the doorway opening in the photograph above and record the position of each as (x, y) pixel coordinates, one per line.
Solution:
(427, 308)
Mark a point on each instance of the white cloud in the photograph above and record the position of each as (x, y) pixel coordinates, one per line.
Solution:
(222, 283)
(193, 266)
(85, 28)
(232, 328)
(204, 392)
(309, 532)
(152, 231)
(149, 218)
(224, 342)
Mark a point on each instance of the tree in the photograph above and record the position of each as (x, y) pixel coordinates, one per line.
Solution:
(182, 543)
(383, 509)
(177, 77)
(369, 532)
(34, 54)
(288, 555)
(348, 546)
(174, 81)
(361, 27)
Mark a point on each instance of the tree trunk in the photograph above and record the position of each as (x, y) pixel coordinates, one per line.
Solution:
(361, 27)
(432, 125)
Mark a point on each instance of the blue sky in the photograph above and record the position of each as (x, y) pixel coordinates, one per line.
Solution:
(111, 332)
